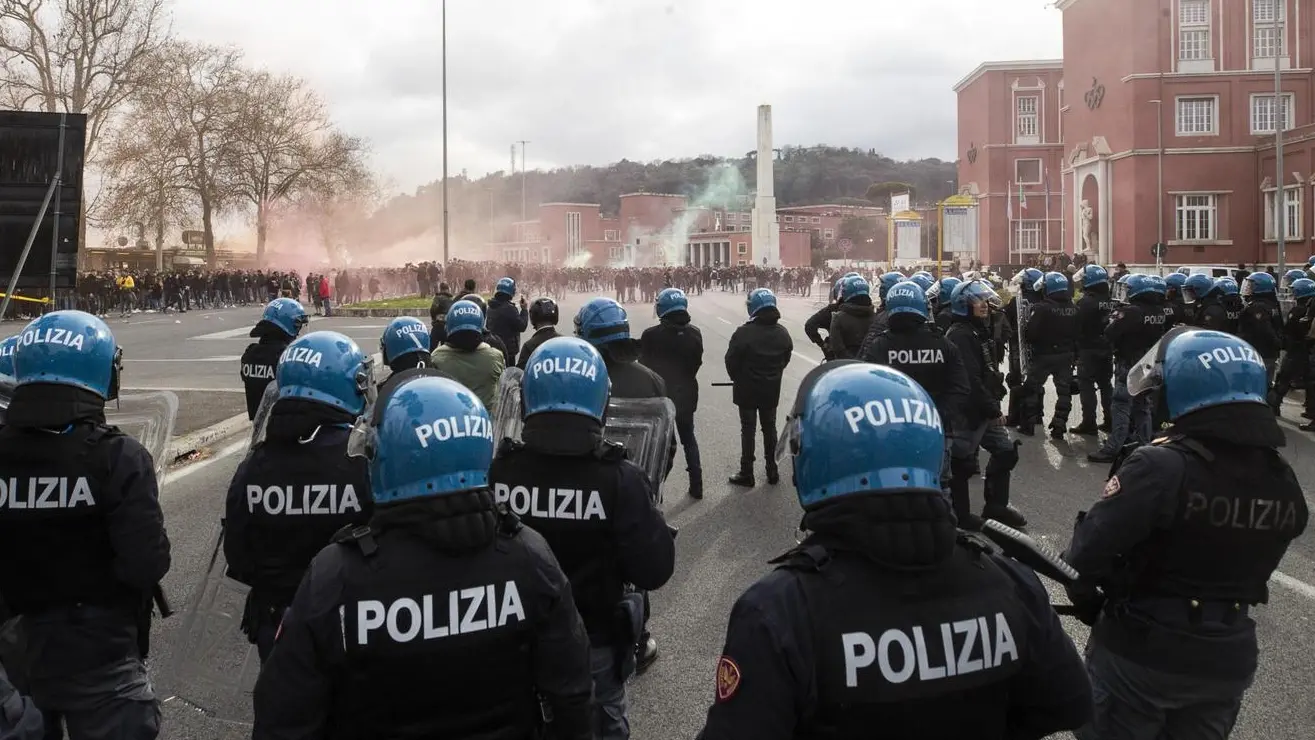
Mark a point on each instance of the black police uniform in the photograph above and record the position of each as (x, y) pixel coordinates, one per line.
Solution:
(540, 335)
(1095, 359)
(674, 350)
(506, 321)
(978, 350)
(1295, 367)
(438, 307)
(1232, 311)
(285, 503)
(1261, 326)
(83, 536)
(443, 619)
(946, 641)
(849, 327)
(598, 513)
(1211, 314)
(819, 321)
(916, 349)
(1185, 538)
(1013, 335)
(1051, 334)
(259, 361)
(756, 357)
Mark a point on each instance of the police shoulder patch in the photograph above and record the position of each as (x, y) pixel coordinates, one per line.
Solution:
(728, 679)
(1112, 487)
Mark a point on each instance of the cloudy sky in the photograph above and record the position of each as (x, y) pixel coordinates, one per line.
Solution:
(595, 81)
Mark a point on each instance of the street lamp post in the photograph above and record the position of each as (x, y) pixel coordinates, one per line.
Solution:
(445, 219)
(524, 177)
(1159, 178)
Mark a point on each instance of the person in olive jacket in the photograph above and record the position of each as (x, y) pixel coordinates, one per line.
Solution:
(674, 350)
(759, 351)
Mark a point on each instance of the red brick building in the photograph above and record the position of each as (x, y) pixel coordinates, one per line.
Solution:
(1178, 92)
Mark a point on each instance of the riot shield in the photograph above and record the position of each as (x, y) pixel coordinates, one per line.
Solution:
(1024, 308)
(261, 422)
(149, 419)
(6, 392)
(508, 421)
(647, 427)
(213, 667)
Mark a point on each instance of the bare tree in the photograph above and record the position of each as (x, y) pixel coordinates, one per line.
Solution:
(336, 209)
(77, 56)
(284, 144)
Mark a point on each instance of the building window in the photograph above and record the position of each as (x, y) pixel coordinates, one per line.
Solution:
(829, 234)
(614, 253)
(1027, 171)
(573, 245)
(609, 235)
(1291, 213)
(816, 219)
(1268, 42)
(1267, 11)
(1262, 113)
(1027, 236)
(746, 228)
(1193, 30)
(1196, 216)
(742, 248)
(789, 219)
(1268, 39)
(1026, 120)
(1198, 116)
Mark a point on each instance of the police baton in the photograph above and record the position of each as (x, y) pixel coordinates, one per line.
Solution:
(161, 602)
(1021, 547)
(722, 385)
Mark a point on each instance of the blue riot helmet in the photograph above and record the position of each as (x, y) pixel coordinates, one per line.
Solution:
(1303, 288)
(506, 286)
(602, 321)
(1093, 275)
(1259, 283)
(286, 314)
(669, 300)
(404, 335)
(887, 281)
(972, 292)
(907, 297)
(1052, 283)
(1226, 286)
(856, 427)
(849, 275)
(1158, 284)
(1120, 290)
(1293, 275)
(70, 348)
(427, 436)
(924, 281)
(1198, 368)
(568, 375)
(7, 356)
(1026, 278)
(1310, 262)
(853, 287)
(328, 368)
(464, 316)
(943, 289)
(1197, 287)
(923, 273)
(1137, 284)
(758, 300)
(1175, 281)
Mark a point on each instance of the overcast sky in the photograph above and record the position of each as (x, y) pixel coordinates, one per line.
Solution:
(595, 81)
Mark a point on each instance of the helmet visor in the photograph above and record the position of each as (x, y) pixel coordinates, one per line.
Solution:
(787, 445)
(363, 440)
(1147, 374)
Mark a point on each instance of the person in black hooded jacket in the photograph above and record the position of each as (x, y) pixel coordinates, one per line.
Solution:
(756, 359)
(852, 319)
(543, 317)
(674, 350)
(443, 300)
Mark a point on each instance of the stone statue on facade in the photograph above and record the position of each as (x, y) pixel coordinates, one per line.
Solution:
(1086, 229)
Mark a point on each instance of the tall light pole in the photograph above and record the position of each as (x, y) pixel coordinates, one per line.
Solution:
(445, 219)
(524, 177)
(1159, 178)
(1280, 118)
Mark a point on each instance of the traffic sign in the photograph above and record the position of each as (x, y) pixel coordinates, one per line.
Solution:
(1159, 250)
(845, 245)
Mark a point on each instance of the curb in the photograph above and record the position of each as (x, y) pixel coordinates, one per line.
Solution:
(381, 313)
(188, 443)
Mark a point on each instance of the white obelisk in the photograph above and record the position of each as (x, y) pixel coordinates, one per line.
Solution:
(766, 230)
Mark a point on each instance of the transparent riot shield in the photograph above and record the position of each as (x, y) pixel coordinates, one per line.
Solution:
(1024, 308)
(149, 419)
(508, 421)
(647, 427)
(261, 422)
(213, 667)
(6, 392)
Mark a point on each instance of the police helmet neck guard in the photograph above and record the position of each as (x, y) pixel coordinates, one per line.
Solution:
(403, 336)
(426, 436)
(566, 375)
(69, 348)
(857, 428)
(327, 368)
(602, 321)
(1195, 369)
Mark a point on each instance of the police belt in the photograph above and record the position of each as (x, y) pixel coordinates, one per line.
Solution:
(1176, 608)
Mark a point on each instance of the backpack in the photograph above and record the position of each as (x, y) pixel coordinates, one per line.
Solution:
(19, 717)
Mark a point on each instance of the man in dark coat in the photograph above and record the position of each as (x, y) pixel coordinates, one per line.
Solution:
(443, 300)
(674, 350)
(756, 359)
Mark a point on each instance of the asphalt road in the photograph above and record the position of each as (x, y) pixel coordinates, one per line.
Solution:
(725, 540)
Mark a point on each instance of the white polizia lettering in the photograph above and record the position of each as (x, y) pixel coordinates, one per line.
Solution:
(311, 500)
(883, 411)
(571, 365)
(1225, 355)
(409, 329)
(468, 610)
(454, 427)
(915, 357)
(51, 336)
(45, 493)
(551, 503)
(899, 654)
(302, 354)
(257, 371)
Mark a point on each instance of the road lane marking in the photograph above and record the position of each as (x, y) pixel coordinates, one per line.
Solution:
(222, 358)
(176, 389)
(181, 473)
(723, 320)
(240, 332)
(1301, 587)
(806, 358)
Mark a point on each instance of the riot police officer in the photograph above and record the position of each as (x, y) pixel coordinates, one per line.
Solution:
(1095, 362)
(443, 617)
(1296, 349)
(1051, 334)
(543, 317)
(1023, 284)
(7, 347)
(674, 350)
(438, 307)
(1173, 299)
(821, 320)
(82, 533)
(488, 337)
(1261, 322)
(506, 321)
(298, 486)
(851, 321)
(281, 322)
(1181, 545)
(405, 344)
(1133, 328)
(973, 304)
(1202, 303)
(824, 645)
(595, 508)
(466, 357)
(938, 299)
(1231, 299)
(756, 358)
(887, 281)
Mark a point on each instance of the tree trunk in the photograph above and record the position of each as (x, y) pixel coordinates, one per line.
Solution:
(262, 228)
(207, 226)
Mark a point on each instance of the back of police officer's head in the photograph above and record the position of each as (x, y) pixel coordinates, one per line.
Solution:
(544, 312)
(603, 323)
(464, 325)
(427, 438)
(283, 318)
(327, 369)
(565, 375)
(670, 304)
(906, 307)
(858, 429)
(404, 343)
(67, 356)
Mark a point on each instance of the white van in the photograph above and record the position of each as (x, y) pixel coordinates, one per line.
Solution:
(1214, 271)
